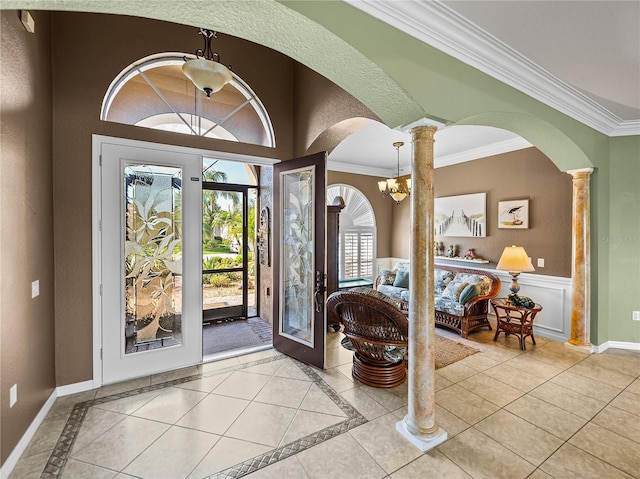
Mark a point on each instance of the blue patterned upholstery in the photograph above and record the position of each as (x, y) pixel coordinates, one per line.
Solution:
(442, 278)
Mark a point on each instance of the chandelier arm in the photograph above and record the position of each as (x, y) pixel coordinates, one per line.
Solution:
(397, 188)
(207, 35)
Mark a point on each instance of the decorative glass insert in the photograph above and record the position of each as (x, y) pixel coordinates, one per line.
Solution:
(297, 253)
(153, 257)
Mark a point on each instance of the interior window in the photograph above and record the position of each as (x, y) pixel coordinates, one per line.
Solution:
(154, 93)
(357, 233)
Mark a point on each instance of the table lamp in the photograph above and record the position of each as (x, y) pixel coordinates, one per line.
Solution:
(515, 260)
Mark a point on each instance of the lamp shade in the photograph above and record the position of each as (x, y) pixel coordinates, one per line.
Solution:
(515, 258)
(207, 75)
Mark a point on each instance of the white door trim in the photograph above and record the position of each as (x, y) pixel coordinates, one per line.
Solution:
(96, 214)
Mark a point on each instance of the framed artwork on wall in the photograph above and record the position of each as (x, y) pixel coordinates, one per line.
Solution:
(463, 215)
(513, 214)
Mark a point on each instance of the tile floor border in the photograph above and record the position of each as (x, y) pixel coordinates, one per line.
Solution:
(353, 420)
(60, 454)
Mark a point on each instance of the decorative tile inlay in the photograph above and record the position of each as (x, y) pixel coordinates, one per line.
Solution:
(62, 450)
(353, 420)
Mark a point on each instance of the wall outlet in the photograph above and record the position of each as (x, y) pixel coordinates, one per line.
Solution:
(13, 395)
(540, 262)
(636, 316)
(35, 288)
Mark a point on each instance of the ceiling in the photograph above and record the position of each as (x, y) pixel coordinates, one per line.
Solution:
(579, 57)
(593, 46)
(373, 145)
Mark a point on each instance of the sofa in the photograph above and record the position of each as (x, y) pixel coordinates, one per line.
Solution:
(461, 294)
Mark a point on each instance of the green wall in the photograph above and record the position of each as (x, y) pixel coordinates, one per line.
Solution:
(621, 241)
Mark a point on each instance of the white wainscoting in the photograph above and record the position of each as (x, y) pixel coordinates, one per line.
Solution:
(552, 292)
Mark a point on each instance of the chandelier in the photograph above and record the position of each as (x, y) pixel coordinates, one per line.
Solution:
(205, 71)
(397, 188)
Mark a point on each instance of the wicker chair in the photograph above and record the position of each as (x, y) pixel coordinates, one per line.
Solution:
(378, 332)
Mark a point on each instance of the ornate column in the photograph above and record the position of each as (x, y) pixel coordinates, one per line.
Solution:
(581, 268)
(419, 425)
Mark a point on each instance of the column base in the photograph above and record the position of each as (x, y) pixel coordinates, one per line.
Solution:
(424, 442)
(583, 348)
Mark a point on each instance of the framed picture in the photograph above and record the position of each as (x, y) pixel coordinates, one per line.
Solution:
(513, 214)
(463, 215)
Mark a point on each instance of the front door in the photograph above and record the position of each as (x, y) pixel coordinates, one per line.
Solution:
(150, 261)
(299, 258)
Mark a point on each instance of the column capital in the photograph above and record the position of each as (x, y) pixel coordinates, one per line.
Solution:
(580, 173)
(423, 132)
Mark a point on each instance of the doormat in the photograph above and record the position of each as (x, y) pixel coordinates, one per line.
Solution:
(238, 334)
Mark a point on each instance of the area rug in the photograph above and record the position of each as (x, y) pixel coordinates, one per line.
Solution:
(447, 351)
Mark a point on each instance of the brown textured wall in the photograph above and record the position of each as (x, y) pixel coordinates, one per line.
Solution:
(88, 52)
(521, 174)
(383, 208)
(26, 235)
(320, 104)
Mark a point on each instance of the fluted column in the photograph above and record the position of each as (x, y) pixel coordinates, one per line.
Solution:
(419, 425)
(581, 268)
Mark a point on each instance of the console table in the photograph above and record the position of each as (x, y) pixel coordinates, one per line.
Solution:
(516, 320)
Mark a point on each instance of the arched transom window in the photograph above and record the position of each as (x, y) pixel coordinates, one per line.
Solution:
(357, 233)
(154, 93)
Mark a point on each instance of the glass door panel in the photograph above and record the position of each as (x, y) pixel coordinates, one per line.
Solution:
(221, 290)
(224, 253)
(152, 257)
(298, 255)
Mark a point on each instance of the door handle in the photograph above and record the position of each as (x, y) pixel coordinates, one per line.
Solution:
(319, 291)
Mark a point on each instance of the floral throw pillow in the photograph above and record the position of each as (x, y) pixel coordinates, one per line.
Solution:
(453, 290)
(387, 276)
(442, 278)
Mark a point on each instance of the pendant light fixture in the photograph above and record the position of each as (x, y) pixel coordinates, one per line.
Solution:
(397, 188)
(205, 71)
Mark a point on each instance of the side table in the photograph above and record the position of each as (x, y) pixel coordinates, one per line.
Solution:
(516, 320)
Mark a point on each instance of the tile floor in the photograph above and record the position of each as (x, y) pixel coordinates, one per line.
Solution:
(547, 412)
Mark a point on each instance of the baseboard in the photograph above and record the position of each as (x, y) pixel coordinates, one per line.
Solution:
(616, 345)
(17, 452)
(75, 388)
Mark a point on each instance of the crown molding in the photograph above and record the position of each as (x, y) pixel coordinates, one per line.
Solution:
(441, 27)
(485, 151)
(498, 148)
(333, 165)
